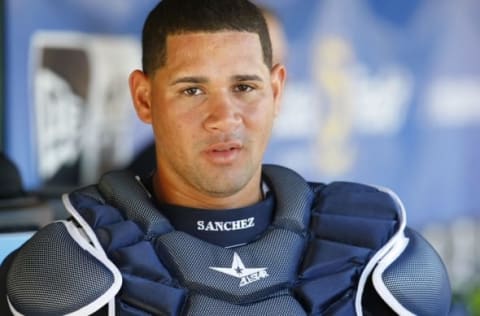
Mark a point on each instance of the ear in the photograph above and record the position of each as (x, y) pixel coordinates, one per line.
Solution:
(139, 85)
(278, 78)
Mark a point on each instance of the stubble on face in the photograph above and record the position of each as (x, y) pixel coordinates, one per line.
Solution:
(223, 180)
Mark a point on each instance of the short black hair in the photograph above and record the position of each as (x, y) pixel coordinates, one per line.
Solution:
(172, 17)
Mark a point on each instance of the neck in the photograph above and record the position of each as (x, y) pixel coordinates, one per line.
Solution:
(168, 193)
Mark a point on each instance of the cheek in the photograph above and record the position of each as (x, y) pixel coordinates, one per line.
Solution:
(260, 115)
(175, 128)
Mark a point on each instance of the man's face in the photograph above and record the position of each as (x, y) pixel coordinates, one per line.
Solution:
(212, 107)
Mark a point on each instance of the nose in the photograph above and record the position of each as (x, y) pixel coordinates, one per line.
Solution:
(224, 114)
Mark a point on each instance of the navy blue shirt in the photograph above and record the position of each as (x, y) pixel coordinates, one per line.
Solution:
(226, 228)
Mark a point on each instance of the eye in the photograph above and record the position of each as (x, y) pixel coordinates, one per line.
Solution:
(243, 88)
(192, 91)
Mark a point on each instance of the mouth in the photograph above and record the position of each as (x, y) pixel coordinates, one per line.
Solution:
(223, 153)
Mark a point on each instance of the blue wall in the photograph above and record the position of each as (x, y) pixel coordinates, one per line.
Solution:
(380, 92)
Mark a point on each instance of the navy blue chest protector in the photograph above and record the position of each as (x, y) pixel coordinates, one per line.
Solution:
(310, 261)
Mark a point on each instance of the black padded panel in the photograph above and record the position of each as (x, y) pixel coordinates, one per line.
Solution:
(418, 279)
(199, 305)
(53, 275)
(122, 190)
(279, 251)
(293, 208)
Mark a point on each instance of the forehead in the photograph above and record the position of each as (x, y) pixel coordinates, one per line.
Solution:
(213, 48)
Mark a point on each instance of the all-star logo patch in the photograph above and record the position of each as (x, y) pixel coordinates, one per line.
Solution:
(238, 270)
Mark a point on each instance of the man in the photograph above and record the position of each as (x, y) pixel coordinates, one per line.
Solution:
(144, 161)
(213, 232)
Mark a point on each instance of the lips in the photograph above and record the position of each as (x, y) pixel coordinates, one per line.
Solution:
(224, 147)
(222, 153)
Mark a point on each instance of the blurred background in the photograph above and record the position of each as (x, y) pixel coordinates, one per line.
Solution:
(381, 92)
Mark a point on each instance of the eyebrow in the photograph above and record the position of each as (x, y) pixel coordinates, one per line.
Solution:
(189, 79)
(195, 79)
(247, 78)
